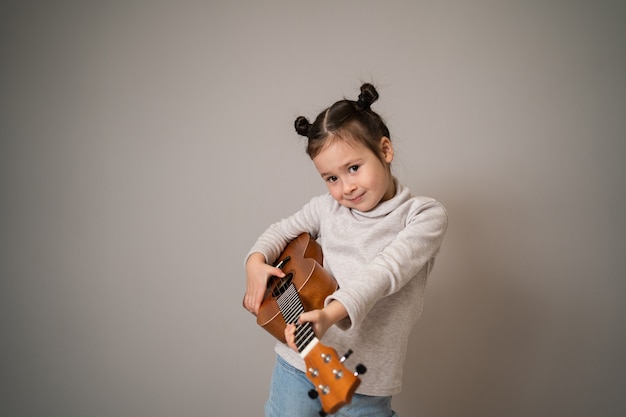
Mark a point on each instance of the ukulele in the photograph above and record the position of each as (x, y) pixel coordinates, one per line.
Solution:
(303, 288)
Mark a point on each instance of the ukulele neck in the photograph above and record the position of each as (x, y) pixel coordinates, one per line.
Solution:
(291, 307)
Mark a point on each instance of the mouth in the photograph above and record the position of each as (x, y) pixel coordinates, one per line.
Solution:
(356, 199)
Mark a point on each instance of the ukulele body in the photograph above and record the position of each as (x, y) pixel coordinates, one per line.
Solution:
(312, 282)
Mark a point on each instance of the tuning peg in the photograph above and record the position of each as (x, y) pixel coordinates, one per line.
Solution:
(360, 369)
(313, 394)
(346, 356)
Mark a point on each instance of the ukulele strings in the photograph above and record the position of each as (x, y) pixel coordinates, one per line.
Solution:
(291, 307)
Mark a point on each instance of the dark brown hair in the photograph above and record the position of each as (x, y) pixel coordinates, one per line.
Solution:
(346, 119)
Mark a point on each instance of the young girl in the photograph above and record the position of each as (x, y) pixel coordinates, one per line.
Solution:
(378, 241)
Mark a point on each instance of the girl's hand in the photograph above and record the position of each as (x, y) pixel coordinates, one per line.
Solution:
(320, 319)
(257, 274)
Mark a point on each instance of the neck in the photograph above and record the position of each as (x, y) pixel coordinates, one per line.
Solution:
(291, 307)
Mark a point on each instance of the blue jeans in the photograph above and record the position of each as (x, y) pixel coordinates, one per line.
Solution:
(289, 398)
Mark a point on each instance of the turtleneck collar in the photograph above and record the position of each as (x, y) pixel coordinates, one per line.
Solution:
(386, 207)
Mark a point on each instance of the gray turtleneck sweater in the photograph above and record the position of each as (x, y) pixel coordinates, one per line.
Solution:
(381, 260)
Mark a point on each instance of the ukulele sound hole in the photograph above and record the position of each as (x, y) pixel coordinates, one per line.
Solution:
(282, 285)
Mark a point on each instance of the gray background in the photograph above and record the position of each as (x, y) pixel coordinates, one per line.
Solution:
(145, 145)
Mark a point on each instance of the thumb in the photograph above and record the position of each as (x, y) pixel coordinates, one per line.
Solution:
(277, 272)
(305, 317)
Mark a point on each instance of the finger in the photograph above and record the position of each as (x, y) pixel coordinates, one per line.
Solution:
(305, 317)
(290, 336)
(251, 304)
(287, 333)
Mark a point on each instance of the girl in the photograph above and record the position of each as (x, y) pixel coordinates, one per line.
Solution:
(378, 241)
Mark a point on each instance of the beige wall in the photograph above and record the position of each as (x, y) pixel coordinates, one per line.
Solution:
(146, 144)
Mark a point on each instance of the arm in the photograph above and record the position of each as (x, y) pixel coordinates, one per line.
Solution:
(413, 249)
(269, 246)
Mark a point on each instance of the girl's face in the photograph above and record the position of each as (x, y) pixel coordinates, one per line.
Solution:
(355, 177)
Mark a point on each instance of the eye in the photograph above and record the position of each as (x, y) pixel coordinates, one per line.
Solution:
(353, 169)
(331, 179)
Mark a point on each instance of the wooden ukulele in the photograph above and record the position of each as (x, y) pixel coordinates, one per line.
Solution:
(304, 287)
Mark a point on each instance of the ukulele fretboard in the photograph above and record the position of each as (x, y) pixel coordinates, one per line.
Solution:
(291, 307)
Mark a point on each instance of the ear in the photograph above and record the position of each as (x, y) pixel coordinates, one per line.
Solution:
(386, 149)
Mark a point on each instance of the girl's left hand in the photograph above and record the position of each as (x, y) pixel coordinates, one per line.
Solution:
(320, 319)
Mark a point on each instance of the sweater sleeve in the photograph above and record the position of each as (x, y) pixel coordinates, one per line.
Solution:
(410, 251)
(276, 237)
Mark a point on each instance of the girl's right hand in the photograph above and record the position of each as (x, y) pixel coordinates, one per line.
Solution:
(257, 274)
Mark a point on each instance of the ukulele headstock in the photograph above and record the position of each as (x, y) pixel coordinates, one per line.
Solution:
(334, 383)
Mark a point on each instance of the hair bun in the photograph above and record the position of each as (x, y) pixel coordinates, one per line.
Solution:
(302, 125)
(368, 96)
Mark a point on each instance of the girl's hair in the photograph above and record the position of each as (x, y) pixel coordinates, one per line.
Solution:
(346, 119)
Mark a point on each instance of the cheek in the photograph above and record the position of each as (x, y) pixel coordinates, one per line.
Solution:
(335, 192)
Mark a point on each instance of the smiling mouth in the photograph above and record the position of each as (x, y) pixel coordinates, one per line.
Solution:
(356, 199)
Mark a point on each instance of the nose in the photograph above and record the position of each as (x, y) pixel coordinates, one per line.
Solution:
(348, 187)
